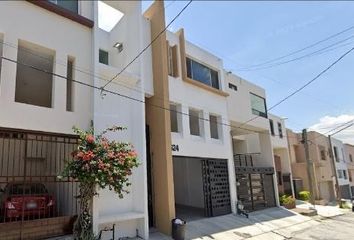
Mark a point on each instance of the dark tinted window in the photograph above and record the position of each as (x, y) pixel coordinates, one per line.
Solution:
(103, 57)
(202, 73)
(258, 105)
(271, 126)
(71, 5)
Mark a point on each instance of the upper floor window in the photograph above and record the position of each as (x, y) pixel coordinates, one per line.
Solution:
(103, 57)
(194, 122)
(1, 44)
(34, 86)
(202, 73)
(271, 123)
(258, 105)
(69, 84)
(176, 118)
(350, 158)
(172, 61)
(280, 130)
(232, 86)
(214, 128)
(71, 5)
(335, 150)
(345, 174)
(322, 152)
(340, 173)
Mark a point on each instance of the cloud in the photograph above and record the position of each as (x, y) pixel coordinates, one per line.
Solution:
(328, 122)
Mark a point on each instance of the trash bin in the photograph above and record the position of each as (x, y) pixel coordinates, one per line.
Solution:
(178, 229)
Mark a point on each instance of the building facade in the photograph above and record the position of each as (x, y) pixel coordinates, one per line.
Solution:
(281, 154)
(349, 154)
(52, 43)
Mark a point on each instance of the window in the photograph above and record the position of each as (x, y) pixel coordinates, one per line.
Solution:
(103, 56)
(345, 174)
(69, 85)
(202, 73)
(34, 86)
(258, 105)
(350, 158)
(71, 5)
(279, 176)
(280, 130)
(335, 150)
(214, 130)
(323, 154)
(232, 86)
(340, 173)
(172, 61)
(194, 123)
(174, 118)
(271, 123)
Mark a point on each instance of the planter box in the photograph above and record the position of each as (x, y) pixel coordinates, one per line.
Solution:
(36, 229)
(290, 205)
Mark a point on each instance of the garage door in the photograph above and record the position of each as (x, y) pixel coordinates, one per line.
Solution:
(216, 187)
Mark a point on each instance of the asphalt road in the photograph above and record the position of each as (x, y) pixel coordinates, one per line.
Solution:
(335, 228)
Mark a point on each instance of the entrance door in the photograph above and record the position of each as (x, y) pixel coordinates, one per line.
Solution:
(216, 187)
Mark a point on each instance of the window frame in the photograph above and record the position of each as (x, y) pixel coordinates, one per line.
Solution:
(271, 126)
(177, 115)
(199, 112)
(100, 50)
(335, 153)
(190, 74)
(68, 9)
(233, 87)
(257, 112)
(218, 132)
(280, 129)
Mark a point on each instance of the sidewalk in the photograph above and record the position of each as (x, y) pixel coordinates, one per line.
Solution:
(272, 224)
(323, 211)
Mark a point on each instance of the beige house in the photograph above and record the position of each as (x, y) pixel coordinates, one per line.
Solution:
(324, 177)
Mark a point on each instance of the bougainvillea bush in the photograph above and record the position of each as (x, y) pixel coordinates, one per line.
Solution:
(98, 162)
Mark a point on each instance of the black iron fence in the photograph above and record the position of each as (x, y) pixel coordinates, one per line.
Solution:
(34, 202)
(246, 159)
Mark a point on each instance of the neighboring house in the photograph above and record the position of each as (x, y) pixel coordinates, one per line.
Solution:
(319, 151)
(251, 142)
(203, 155)
(281, 154)
(39, 109)
(341, 168)
(349, 155)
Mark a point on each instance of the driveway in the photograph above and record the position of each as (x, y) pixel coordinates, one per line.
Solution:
(273, 224)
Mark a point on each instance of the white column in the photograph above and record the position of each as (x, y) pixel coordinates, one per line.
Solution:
(232, 174)
(8, 69)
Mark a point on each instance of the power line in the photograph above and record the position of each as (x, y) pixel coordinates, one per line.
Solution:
(303, 86)
(342, 129)
(130, 98)
(302, 49)
(317, 52)
(142, 51)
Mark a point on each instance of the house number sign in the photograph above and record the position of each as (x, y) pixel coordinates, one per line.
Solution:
(175, 148)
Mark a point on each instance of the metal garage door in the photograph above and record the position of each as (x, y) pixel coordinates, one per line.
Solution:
(216, 187)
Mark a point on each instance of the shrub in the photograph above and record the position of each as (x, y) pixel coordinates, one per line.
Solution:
(304, 195)
(286, 199)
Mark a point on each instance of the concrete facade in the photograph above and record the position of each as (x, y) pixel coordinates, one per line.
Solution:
(349, 155)
(319, 151)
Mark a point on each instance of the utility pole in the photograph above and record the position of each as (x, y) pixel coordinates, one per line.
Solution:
(309, 166)
(333, 164)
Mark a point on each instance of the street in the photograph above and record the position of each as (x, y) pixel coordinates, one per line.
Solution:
(339, 227)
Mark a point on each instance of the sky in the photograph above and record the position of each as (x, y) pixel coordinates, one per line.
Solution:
(244, 34)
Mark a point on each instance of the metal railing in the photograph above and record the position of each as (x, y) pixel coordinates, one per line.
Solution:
(245, 159)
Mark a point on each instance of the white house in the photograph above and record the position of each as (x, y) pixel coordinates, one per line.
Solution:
(39, 109)
(281, 154)
(341, 168)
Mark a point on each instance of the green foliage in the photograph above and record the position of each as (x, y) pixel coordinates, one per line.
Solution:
(304, 195)
(98, 161)
(286, 199)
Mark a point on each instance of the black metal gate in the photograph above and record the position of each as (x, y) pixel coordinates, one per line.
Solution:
(216, 187)
(34, 202)
(255, 185)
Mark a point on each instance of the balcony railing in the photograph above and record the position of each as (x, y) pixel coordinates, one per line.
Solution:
(245, 160)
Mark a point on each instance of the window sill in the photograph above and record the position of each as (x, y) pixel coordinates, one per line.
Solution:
(63, 12)
(196, 138)
(206, 87)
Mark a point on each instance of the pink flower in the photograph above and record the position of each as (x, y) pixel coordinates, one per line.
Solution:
(88, 156)
(90, 139)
